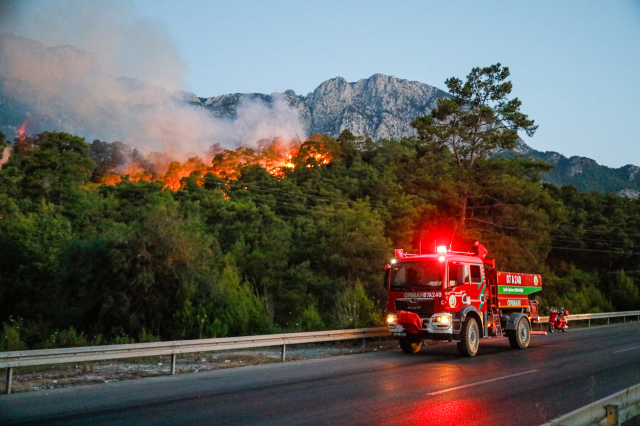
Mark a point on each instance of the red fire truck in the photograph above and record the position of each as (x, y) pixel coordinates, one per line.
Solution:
(457, 297)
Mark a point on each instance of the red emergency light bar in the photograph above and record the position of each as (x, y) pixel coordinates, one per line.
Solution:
(441, 250)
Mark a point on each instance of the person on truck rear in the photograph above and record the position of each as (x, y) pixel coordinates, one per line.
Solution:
(480, 250)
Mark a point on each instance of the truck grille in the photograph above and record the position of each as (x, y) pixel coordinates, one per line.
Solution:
(419, 306)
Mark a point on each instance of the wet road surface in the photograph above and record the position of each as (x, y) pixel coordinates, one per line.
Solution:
(499, 386)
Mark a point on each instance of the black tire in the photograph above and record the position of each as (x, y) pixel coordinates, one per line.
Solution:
(410, 345)
(469, 338)
(521, 336)
(552, 328)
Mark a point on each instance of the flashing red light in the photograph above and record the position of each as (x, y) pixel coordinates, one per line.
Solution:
(441, 249)
(441, 258)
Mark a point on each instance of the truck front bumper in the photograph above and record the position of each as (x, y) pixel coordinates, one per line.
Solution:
(439, 323)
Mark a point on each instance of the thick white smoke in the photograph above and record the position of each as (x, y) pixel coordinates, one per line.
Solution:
(99, 70)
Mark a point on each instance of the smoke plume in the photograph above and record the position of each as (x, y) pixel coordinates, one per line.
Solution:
(99, 70)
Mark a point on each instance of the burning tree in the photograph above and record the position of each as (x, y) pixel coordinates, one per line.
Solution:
(118, 161)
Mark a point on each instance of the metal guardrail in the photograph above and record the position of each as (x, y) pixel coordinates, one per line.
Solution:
(610, 411)
(9, 360)
(601, 315)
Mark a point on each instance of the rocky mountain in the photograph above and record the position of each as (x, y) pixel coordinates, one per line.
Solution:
(383, 107)
(584, 173)
(379, 107)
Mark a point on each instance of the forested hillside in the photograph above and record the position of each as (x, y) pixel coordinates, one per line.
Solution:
(238, 247)
(584, 173)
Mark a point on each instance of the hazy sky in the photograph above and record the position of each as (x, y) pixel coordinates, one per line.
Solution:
(575, 64)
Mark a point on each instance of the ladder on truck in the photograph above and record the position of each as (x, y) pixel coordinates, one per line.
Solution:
(493, 307)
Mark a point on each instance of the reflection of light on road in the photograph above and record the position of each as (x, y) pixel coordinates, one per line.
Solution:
(391, 385)
(442, 394)
(448, 375)
(463, 411)
(469, 385)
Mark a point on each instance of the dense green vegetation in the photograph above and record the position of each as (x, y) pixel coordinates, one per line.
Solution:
(85, 263)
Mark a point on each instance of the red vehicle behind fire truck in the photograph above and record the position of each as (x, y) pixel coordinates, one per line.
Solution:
(457, 297)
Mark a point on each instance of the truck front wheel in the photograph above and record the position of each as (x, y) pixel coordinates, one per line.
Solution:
(469, 338)
(410, 345)
(520, 337)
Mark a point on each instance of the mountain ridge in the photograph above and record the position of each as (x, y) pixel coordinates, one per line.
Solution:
(584, 173)
(382, 107)
(379, 107)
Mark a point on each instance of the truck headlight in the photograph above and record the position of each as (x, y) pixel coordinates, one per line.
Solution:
(442, 319)
(392, 319)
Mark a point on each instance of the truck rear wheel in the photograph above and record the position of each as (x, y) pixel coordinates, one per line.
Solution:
(469, 338)
(410, 345)
(520, 337)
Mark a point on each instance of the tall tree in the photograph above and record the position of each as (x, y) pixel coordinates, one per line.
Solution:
(475, 121)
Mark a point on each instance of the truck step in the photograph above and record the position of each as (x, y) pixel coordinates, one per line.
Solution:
(497, 326)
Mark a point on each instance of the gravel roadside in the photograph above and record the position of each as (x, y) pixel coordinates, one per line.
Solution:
(38, 378)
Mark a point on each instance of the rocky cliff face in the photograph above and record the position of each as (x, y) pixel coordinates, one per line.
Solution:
(379, 107)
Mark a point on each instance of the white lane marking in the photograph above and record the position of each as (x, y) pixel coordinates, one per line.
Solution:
(628, 349)
(480, 383)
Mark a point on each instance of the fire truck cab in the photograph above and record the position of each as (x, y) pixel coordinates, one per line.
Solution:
(457, 297)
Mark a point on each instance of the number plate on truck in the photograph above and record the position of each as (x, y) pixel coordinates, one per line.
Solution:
(415, 295)
(399, 334)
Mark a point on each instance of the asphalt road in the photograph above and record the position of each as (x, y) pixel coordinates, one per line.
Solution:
(499, 386)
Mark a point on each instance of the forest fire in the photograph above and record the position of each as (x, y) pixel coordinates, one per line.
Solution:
(275, 156)
(22, 131)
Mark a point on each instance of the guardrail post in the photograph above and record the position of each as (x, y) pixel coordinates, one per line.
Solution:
(589, 323)
(284, 352)
(9, 377)
(364, 344)
(173, 364)
(613, 417)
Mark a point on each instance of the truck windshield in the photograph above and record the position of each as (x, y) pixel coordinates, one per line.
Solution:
(416, 274)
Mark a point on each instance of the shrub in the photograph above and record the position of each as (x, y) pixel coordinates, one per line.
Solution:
(310, 319)
(10, 339)
(354, 309)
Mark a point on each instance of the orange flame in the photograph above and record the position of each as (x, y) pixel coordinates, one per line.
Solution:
(22, 131)
(136, 172)
(274, 155)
